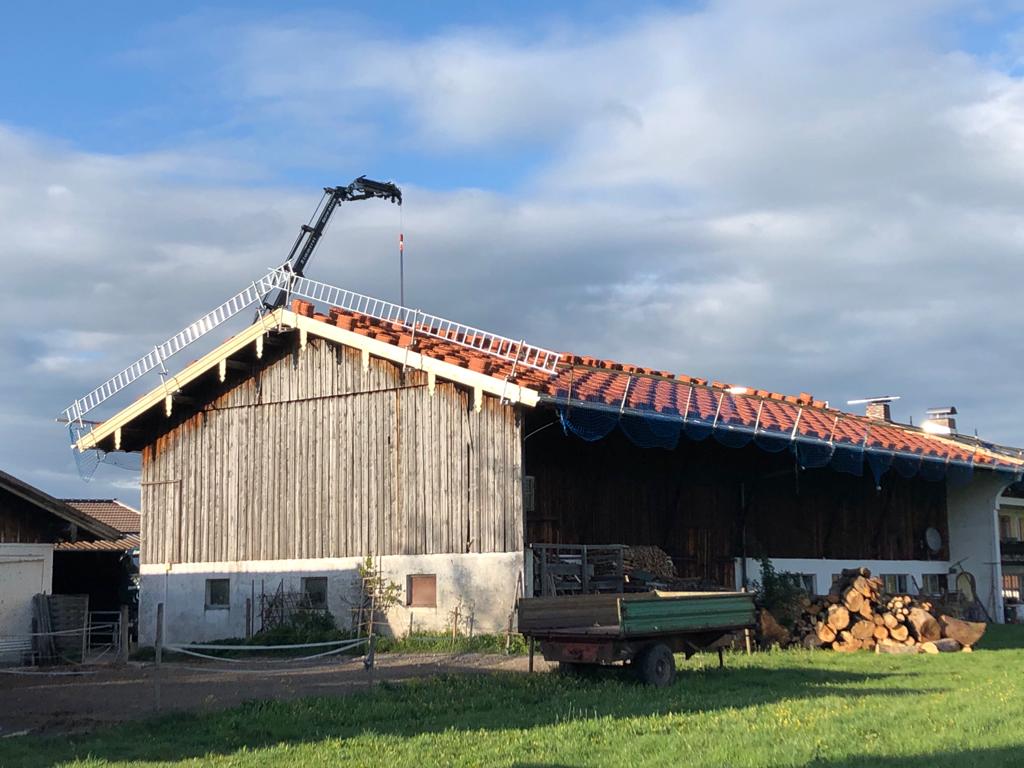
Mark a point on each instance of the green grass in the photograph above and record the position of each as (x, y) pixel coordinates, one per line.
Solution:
(787, 708)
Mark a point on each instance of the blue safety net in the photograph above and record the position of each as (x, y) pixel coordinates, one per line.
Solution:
(664, 426)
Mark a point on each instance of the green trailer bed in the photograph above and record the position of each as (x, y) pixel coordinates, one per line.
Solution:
(642, 629)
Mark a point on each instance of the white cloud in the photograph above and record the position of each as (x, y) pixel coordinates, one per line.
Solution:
(795, 197)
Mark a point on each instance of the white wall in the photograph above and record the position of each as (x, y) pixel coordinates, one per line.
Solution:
(482, 585)
(823, 569)
(25, 570)
(974, 534)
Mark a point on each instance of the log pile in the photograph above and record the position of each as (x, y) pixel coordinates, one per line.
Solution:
(648, 560)
(856, 615)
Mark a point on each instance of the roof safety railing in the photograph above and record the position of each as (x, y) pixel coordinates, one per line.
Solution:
(465, 335)
(277, 279)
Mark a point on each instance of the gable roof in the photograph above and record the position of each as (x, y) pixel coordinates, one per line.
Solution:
(578, 381)
(112, 512)
(48, 504)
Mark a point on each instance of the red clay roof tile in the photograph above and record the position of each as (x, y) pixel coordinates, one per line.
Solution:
(605, 381)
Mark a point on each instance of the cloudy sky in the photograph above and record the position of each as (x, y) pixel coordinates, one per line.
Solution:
(801, 196)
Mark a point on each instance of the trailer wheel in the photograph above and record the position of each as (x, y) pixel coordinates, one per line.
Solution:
(657, 666)
(570, 668)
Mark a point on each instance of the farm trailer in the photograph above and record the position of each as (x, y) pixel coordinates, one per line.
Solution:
(643, 630)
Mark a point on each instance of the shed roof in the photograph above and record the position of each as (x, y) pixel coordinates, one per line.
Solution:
(48, 504)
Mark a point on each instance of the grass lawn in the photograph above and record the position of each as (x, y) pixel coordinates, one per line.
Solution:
(788, 708)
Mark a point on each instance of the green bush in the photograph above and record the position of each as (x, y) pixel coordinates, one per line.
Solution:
(780, 593)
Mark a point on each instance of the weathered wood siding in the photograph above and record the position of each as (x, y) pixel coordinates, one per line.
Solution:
(689, 502)
(24, 523)
(318, 457)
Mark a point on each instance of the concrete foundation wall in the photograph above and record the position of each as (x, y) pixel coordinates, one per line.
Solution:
(481, 585)
(822, 570)
(974, 535)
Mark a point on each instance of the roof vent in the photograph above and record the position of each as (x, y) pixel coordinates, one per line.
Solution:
(877, 407)
(940, 421)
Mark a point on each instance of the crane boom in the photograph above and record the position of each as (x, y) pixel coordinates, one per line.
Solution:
(310, 234)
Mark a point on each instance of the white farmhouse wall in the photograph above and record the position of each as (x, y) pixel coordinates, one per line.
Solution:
(823, 569)
(482, 585)
(25, 570)
(974, 534)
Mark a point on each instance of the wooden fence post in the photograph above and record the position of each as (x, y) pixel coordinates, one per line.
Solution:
(122, 655)
(159, 633)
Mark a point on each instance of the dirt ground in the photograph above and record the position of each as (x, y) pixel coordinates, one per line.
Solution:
(64, 703)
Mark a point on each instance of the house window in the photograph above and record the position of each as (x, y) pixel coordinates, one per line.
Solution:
(314, 592)
(896, 583)
(804, 581)
(935, 583)
(218, 593)
(1011, 586)
(1004, 526)
(421, 590)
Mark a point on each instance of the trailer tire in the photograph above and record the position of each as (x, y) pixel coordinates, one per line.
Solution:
(657, 666)
(573, 668)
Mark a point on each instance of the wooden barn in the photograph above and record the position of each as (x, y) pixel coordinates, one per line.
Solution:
(320, 435)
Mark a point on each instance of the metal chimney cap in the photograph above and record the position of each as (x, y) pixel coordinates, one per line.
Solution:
(866, 400)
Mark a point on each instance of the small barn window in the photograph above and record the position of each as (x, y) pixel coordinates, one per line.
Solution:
(804, 581)
(314, 592)
(529, 493)
(421, 590)
(934, 583)
(1011, 586)
(218, 593)
(895, 583)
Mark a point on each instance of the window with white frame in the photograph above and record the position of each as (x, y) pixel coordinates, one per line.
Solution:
(804, 581)
(935, 583)
(1011, 586)
(895, 583)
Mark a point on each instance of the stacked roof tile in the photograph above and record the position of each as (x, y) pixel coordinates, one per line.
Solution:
(610, 385)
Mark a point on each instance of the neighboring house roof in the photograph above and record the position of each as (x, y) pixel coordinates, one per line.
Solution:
(122, 544)
(110, 511)
(56, 507)
(587, 381)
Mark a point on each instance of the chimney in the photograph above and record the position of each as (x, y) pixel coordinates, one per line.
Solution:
(940, 421)
(876, 407)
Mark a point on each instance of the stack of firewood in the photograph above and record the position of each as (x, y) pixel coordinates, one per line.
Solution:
(856, 615)
(650, 560)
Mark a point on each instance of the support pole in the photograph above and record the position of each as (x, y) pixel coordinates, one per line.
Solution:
(159, 633)
(533, 642)
(159, 642)
(122, 654)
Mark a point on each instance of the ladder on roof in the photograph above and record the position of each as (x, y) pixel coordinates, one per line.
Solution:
(517, 352)
(162, 352)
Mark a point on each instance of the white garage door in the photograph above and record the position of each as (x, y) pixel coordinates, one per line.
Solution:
(21, 577)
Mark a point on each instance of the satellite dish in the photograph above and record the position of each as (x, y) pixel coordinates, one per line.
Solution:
(933, 539)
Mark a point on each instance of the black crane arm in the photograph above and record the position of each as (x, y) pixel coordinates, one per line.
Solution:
(310, 234)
